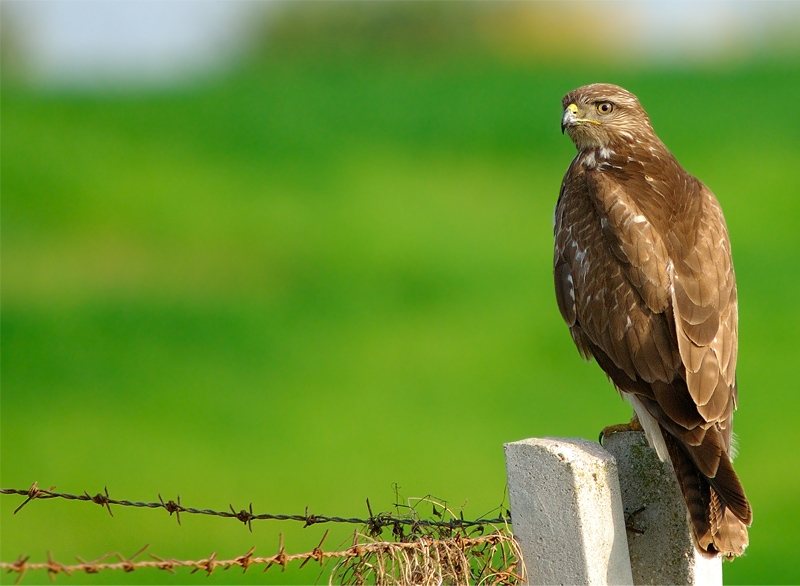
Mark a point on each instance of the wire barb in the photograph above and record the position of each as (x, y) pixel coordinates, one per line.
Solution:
(244, 516)
(100, 499)
(172, 507)
(34, 492)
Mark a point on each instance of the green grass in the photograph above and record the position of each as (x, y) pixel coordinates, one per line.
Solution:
(308, 281)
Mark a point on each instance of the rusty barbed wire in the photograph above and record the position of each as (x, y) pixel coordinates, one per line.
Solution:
(374, 523)
(509, 573)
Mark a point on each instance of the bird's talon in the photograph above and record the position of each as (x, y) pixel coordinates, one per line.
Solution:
(632, 425)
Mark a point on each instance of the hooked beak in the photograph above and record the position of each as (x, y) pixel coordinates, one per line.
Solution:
(570, 118)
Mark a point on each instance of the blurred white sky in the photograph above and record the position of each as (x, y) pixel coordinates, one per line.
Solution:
(78, 41)
(692, 28)
(159, 41)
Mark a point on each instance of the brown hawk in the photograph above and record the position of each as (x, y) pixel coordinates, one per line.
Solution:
(645, 281)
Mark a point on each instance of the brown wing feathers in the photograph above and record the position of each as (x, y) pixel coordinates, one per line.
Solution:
(645, 281)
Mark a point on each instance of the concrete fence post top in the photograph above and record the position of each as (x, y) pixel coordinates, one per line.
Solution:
(571, 449)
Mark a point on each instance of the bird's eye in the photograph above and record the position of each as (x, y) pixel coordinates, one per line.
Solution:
(605, 107)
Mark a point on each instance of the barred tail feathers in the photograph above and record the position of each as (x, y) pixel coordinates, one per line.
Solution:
(715, 526)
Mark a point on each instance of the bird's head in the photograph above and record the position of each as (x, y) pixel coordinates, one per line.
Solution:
(602, 115)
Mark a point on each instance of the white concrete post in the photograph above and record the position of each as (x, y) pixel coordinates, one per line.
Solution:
(567, 512)
(660, 542)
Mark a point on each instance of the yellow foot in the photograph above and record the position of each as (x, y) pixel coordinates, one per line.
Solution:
(632, 425)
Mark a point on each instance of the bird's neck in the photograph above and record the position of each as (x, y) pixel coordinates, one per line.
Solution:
(625, 150)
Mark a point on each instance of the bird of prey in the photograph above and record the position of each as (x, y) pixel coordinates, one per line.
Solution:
(644, 279)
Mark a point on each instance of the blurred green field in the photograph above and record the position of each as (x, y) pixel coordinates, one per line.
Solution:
(312, 279)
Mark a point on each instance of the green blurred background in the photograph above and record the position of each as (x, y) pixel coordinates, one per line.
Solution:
(326, 268)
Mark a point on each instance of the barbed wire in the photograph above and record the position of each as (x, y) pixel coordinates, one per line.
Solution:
(506, 574)
(374, 523)
(448, 549)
